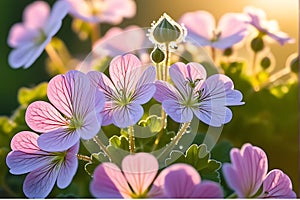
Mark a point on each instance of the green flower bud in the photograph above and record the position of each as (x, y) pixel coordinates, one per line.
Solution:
(228, 52)
(295, 65)
(157, 55)
(265, 63)
(257, 44)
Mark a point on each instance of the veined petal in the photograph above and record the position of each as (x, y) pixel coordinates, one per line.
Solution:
(127, 115)
(207, 189)
(58, 140)
(25, 141)
(68, 167)
(39, 183)
(178, 180)
(107, 113)
(125, 71)
(247, 171)
(109, 182)
(140, 170)
(104, 84)
(43, 117)
(36, 14)
(177, 112)
(165, 91)
(200, 24)
(90, 126)
(277, 185)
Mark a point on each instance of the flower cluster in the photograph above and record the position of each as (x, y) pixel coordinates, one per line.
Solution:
(140, 117)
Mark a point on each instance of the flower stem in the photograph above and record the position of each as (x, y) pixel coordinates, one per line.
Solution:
(167, 61)
(96, 32)
(131, 139)
(84, 158)
(53, 55)
(161, 132)
(102, 147)
(175, 140)
(213, 54)
(254, 63)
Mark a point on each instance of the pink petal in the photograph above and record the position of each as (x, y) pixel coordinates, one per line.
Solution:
(178, 180)
(177, 112)
(107, 113)
(109, 182)
(127, 115)
(165, 91)
(39, 183)
(36, 14)
(200, 26)
(145, 87)
(125, 71)
(247, 171)
(58, 140)
(43, 117)
(25, 141)
(207, 189)
(68, 167)
(277, 185)
(140, 170)
(19, 35)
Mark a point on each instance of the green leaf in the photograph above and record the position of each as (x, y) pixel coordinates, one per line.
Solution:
(28, 95)
(153, 122)
(118, 148)
(199, 158)
(221, 151)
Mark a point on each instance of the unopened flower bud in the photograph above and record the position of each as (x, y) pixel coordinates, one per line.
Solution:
(265, 63)
(227, 52)
(295, 65)
(157, 55)
(257, 44)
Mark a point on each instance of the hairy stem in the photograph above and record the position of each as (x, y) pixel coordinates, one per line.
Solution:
(167, 61)
(175, 140)
(102, 147)
(84, 158)
(131, 139)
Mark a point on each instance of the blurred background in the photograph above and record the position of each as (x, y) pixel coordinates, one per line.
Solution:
(281, 144)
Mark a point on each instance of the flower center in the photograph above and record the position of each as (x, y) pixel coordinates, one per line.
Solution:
(216, 35)
(41, 38)
(59, 157)
(75, 123)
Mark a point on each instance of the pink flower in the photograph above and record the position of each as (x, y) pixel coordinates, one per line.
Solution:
(45, 168)
(119, 41)
(201, 27)
(30, 38)
(139, 171)
(131, 85)
(248, 173)
(74, 96)
(257, 18)
(194, 94)
(99, 11)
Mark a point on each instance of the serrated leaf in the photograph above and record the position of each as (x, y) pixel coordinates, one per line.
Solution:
(118, 148)
(28, 95)
(153, 122)
(97, 159)
(199, 158)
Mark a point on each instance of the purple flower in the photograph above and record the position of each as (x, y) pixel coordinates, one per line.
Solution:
(257, 18)
(248, 173)
(139, 171)
(119, 41)
(201, 27)
(30, 38)
(130, 86)
(194, 94)
(99, 11)
(45, 168)
(74, 96)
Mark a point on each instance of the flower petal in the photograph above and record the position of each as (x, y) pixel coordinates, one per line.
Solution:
(177, 112)
(145, 87)
(140, 170)
(247, 171)
(25, 141)
(169, 180)
(128, 115)
(58, 140)
(43, 117)
(125, 71)
(207, 189)
(200, 26)
(39, 183)
(19, 35)
(68, 167)
(36, 15)
(109, 182)
(277, 185)
(165, 91)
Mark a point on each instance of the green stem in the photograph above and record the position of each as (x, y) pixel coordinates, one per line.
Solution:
(53, 55)
(175, 140)
(131, 139)
(102, 147)
(165, 78)
(213, 54)
(161, 132)
(232, 196)
(84, 158)
(254, 64)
